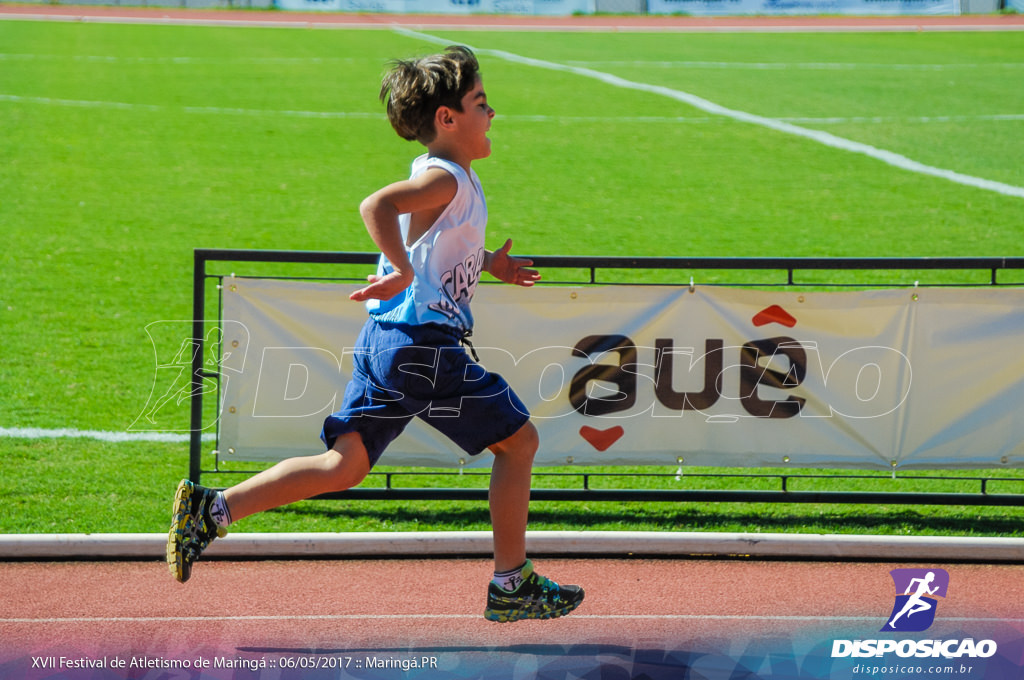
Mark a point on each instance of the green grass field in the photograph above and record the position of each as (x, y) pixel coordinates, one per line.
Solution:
(126, 147)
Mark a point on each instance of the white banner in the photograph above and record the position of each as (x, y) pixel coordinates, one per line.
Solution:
(652, 375)
(688, 7)
(533, 7)
(791, 7)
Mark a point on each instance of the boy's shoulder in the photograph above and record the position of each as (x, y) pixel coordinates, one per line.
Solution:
(426, 161)
(461, 181)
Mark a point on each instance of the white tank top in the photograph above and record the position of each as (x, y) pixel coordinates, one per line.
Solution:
(446, 261)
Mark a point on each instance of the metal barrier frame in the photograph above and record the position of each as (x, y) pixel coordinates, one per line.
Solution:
(993, 266)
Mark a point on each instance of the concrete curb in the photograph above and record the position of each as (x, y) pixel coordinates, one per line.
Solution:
(551, 543)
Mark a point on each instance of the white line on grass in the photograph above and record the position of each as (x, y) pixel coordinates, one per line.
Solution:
(830, 140)
(809, 120)
(538, 118)
(636, 63)
(99, 435)
(902, 119)
(226, 59)
(216, 110)
(786, 66)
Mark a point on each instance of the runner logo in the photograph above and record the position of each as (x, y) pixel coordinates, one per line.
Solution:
(917, 591)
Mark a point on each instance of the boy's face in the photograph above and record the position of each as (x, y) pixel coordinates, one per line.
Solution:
(474, 121)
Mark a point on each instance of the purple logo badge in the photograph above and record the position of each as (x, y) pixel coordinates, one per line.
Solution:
(917, 593)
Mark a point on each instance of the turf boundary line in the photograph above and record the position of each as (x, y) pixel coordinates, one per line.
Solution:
(108, 436)
(527, 118)
(824, 138)
(145, 546)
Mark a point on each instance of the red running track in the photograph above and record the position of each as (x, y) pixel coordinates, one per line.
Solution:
(641, 618)
(969, 22)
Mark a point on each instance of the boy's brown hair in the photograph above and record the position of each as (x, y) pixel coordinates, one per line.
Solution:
(413, 90)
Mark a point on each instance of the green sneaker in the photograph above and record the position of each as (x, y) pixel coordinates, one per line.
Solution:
(192, 528)
(536, 597)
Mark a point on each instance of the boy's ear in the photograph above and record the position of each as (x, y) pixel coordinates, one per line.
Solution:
(443, 118)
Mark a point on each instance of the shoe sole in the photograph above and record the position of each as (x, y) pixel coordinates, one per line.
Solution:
(509, 617)
(179, 516)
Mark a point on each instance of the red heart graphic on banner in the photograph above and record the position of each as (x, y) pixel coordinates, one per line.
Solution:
(774, 314)
(601, 439)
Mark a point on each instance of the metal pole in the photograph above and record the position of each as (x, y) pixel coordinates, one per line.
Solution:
(198, 331)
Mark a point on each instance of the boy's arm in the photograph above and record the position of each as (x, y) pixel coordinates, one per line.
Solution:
(504, 267)
(430, 191)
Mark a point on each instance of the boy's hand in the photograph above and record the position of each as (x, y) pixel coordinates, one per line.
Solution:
(383, 287)
(504, 267)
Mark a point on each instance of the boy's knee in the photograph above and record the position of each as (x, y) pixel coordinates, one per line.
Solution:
(343, 473)
(531, 438)
(524, 442)
(347, 463)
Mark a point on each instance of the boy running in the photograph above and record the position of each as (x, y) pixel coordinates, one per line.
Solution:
(410, 360)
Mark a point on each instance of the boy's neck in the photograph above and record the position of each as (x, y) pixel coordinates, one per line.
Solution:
(447, 153)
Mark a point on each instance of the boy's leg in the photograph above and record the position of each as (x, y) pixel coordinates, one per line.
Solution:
(193, 526)
(509, 496)
(344, 466)
(523, 593)
(488, 412)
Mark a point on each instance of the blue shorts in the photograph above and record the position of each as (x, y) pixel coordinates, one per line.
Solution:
(405, 371)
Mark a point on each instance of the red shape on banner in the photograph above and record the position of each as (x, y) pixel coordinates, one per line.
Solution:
(601, 439)
(774, 314)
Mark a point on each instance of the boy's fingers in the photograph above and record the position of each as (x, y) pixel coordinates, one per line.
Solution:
(527, 277)
(380, 288)
(361, 294)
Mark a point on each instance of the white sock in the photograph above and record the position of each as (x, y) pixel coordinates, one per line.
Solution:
(219, 511)
(509, 580)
